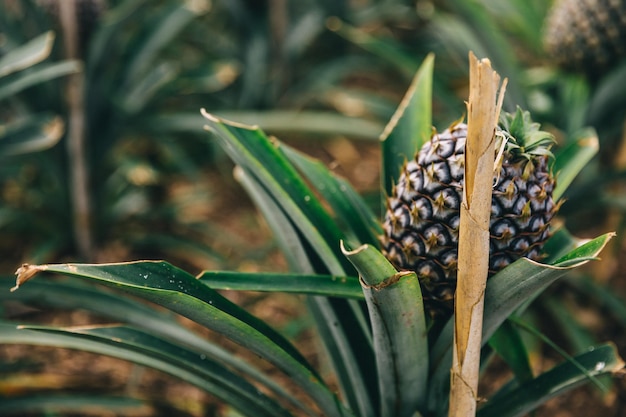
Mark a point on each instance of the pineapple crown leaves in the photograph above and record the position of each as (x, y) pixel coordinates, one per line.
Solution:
(524, 137)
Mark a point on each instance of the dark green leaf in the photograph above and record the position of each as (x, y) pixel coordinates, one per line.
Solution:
(470, 28)
(389, 50)
(573, 158)
(27, 55)
(579, 338)
(34, 133)
(338, 322)
(106, 37)
(165, 27)
(145, 349)
(278, 122)
(141, 93)
(600, 360)
(68, 403)
(508, 343)
(286, 234)
(343, 199)
(173, 288)
(606, 296)
(74, 294)
(396, 310)
(410, 126)
(12, 85)
(350, 350)
(327, 285)
(350, 344)
(258, 156)
(506, 292)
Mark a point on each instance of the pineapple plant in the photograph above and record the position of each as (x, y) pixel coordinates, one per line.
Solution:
(587, 35)
(421, 223)
(384, 358)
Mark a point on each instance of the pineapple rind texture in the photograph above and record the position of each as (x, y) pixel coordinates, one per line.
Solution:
(586, 35)
(422, 220)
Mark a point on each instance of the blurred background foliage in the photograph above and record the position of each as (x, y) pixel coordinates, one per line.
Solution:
(323, 74)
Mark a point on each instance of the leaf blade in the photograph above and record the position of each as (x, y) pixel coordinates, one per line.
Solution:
(410, 126)
(398, 321)
(180, 292)
(145, 349)
(562, 378)
(326, 285)
(507, 291)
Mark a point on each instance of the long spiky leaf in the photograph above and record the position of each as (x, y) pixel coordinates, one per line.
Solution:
(177, 290)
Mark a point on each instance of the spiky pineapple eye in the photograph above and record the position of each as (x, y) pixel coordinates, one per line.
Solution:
(421, 209)
(537, 224)
(443, 149)
(498, 262)
(430, 270)
(449, 259)
(436, 236)
(414, 244)
(521, 244)
(448, 198)
(401, 216)
(503, 229)
(437, 173)
(415, 176)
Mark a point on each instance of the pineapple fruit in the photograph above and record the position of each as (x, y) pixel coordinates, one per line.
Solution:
(586, 35)
(423, 213)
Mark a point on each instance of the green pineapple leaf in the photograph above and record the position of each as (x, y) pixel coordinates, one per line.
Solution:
(339, 323)
(143, 348)
(182, 293)
(346, 203)
(162, 29)
(524, 134)
(79, 404)
(398, 320)
(16, 83)
(73, 293)
(509, 345)
(410, 127)
(258, 156)
(277, 122)
(571, 159)
(314, 284)
(386, 49)
(566, 376)
(32, 133)
(279, 186)
(509, 291)
(27, 55)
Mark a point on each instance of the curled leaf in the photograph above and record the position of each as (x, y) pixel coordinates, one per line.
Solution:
(26, 272)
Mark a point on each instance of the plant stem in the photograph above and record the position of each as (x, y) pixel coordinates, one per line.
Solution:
(79, 179)
(483, 110)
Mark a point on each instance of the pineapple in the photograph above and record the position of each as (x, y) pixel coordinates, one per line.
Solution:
(423, 213)
(587, 35)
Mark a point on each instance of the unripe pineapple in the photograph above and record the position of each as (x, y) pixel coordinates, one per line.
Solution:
(423, 213)
(587, 35)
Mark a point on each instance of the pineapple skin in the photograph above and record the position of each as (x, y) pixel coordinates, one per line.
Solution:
(586, 35)
(421, 225)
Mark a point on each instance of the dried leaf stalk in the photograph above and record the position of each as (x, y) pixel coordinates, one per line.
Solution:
(483, 110)
(79, 173)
